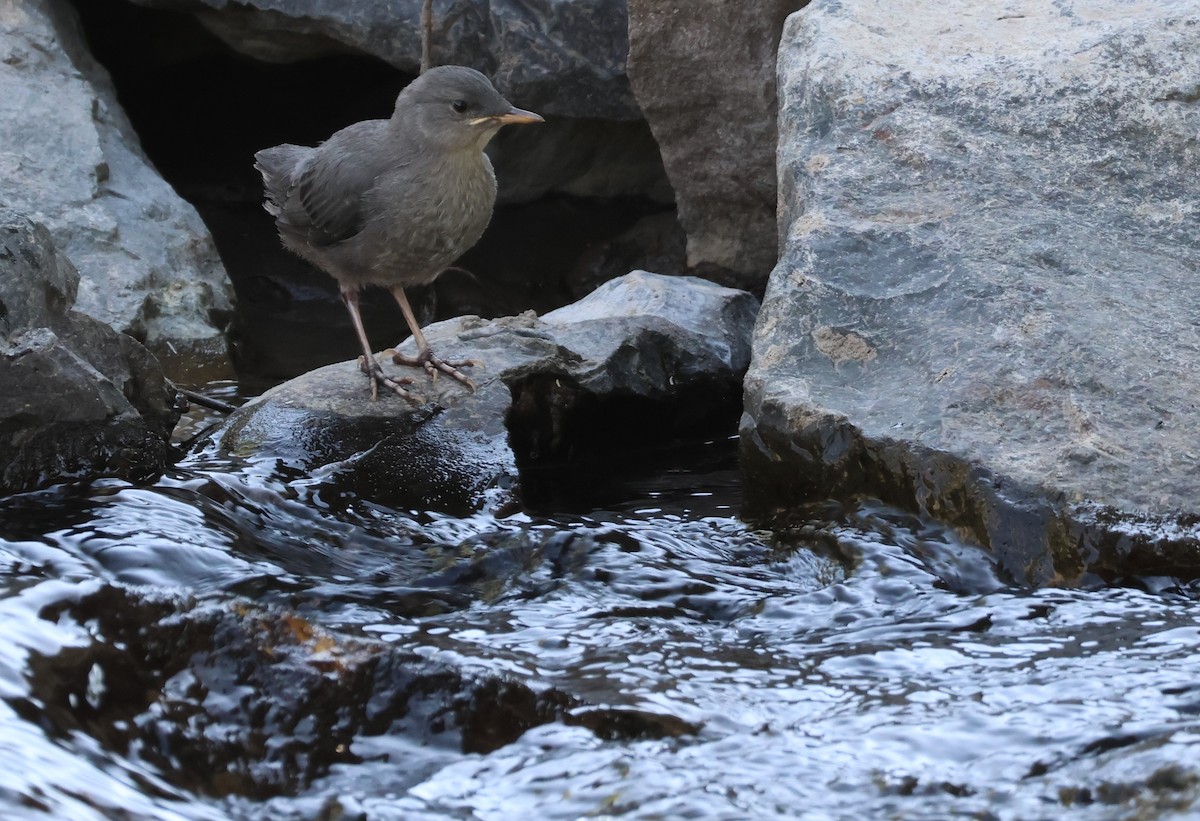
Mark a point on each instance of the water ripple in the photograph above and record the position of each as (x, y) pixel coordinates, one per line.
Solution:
(864, 664)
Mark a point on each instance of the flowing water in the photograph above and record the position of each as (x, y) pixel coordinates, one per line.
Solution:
(230, 642)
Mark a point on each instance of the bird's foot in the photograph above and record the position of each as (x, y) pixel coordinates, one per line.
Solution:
(433, 365)
(371, 368)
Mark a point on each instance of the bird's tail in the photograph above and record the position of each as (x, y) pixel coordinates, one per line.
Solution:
(278, 167)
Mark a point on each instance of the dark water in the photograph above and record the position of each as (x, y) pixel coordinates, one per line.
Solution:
(224, 643)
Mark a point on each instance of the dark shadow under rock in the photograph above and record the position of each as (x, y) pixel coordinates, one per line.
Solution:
(644, 358)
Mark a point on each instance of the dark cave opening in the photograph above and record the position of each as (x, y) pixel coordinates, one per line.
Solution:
(201, 110)
(577, 451)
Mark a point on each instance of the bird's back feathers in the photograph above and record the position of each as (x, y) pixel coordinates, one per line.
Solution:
(316, 194)
(277, 165)
(390, 202)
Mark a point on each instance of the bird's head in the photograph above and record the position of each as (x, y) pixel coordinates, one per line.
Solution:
(457, 108)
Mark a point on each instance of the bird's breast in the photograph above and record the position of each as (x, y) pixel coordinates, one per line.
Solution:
(431, 223)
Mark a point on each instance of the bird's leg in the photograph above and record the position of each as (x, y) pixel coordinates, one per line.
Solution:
(425, 358)
(367, 361)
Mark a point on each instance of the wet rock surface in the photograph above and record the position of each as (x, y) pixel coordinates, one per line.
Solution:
(559, 57)
(77, 399)
(645, 357)
(986, 305)
(704, 77)
(70, 159)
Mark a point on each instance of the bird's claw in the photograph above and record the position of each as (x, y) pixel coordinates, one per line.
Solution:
(433, 365)
(372, 369)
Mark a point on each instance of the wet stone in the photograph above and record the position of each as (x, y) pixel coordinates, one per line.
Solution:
(233, 699)
(645, 358)
(612, 724)
(237, 700)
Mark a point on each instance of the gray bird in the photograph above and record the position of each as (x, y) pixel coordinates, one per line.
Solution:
(393, 202)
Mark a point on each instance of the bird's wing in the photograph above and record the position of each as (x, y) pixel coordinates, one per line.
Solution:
(326, 197)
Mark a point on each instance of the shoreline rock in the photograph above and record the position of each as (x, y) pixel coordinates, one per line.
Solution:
(703, 72)
(562, 58)
(985, 305)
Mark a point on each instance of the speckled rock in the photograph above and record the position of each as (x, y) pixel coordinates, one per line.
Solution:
(77, 399)
(70, 159)
(666, 351)
(987, 305)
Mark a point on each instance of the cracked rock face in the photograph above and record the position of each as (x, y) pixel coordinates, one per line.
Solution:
(986, 306)
(70, 159)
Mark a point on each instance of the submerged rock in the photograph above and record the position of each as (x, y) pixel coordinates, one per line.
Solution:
(703, 72)
(643, 357)
(77, 399)
(986, 305)
(70, 159)
(233, 699)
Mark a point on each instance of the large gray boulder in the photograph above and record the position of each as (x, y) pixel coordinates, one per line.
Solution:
(563, 58)
(703, 72)
(70, 159)
(77, 399)
(643, 356)
(987, 305)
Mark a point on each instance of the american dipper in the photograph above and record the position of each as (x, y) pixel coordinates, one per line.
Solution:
(393, 202)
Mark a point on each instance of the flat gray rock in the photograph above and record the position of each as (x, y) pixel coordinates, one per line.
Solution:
(70, 159)
(987, 305)
(671, 348)
(77, 399)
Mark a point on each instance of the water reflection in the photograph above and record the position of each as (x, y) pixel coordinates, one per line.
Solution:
(860, 664)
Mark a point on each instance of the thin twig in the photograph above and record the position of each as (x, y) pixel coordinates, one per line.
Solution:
(206, 401)
(426, 36)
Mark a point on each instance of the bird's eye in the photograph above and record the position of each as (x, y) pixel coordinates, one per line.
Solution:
(459, 106)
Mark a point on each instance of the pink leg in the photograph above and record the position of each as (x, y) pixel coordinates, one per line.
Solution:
(367, 361)
(425, 358)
